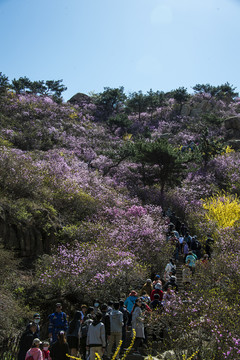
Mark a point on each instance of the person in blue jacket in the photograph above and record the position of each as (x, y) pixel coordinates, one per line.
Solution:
(129, 303)
(57, 322)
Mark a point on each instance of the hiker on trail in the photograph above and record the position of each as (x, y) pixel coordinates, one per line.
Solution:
(57, 322)
(96, 306)
(191, 260)
(96, 341)
(46, 351)
(110, 306)
(185, 250)
(186, 275)
(170, 268)
(73, 333)
(124, 311)
(157, 290)
(157, 280)
(145, 297)
(138, 323)
(148, 287)
(183, 230)
(59, 348)
(168, 297)
(88, 319)
(36, 320)
(34, 353)
(177, 250)
(196, 246)
(188, 239)
(172, 283)
(106, 321)
(83, 311)
(26, 340)
(116, 321)
(181, 240)
(130, 300)
(156, 303)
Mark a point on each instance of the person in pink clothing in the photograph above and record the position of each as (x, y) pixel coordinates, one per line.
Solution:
(34, 353)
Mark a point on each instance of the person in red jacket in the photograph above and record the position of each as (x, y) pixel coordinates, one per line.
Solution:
(157, 290)
(46, 351)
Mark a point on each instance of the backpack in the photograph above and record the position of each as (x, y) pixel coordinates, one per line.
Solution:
(30, 357)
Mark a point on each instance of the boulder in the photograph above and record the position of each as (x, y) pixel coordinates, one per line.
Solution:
(80, 99)
(233, 123)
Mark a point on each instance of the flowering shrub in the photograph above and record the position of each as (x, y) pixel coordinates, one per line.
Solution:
(223, 210)
(92, 270)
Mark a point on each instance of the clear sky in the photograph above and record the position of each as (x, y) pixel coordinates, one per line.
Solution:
(138, 44)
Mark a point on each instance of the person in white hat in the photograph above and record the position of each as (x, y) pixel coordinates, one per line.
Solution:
(34, 353)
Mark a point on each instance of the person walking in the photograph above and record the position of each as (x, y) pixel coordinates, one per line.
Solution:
(116, 324)
(26, 340)
(73, 333)
(59, 348)
(34, 353)
(57, 322)
(138, 323)
(96, 341)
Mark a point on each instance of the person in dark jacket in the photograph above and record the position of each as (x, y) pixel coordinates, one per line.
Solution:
(156, 303)
(106, 320)
(123, 309)
(26, 340)
(73, 333)
(59, 348)
(87, 320)
(172, 283)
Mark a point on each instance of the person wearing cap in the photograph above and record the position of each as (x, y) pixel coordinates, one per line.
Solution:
(157, 290)
(45, 350)
(36, 320)
(157, 280)
(148, 287)
(26, 340)
(57, 322)
(34, 352)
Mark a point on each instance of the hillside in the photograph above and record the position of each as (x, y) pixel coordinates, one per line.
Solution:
(84, 189)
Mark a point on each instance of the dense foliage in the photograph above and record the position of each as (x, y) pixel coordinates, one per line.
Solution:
(93, 179)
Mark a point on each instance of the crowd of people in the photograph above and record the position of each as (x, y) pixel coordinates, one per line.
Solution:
(97, 328)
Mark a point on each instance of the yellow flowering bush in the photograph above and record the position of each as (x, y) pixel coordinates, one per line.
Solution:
(224, 210)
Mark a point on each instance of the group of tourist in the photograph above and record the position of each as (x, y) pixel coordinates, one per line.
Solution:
(95, 329)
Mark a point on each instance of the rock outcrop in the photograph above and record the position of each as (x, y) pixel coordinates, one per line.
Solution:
(25, 239)
(233, 123)
(80, 99)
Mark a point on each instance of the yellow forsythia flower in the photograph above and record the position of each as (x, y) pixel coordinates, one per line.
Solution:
(224, 210)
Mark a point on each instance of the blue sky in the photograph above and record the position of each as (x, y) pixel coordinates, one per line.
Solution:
(138, 44)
